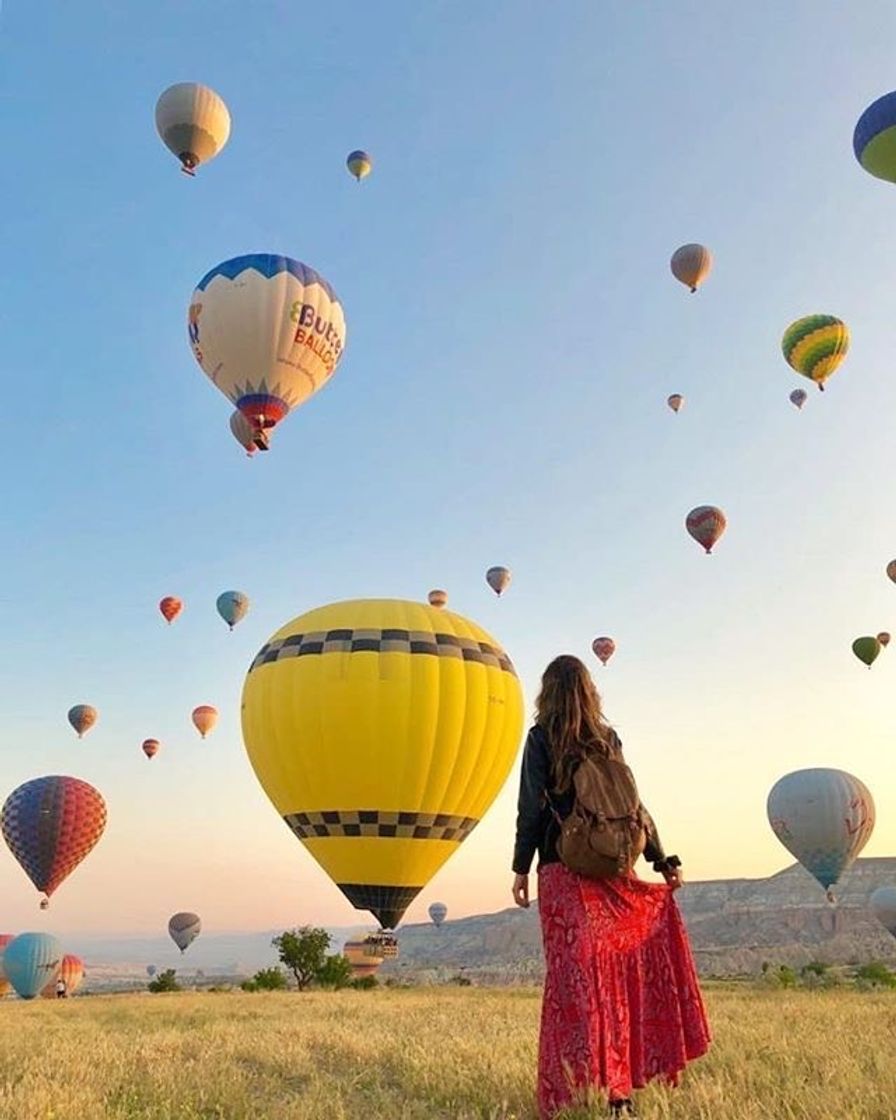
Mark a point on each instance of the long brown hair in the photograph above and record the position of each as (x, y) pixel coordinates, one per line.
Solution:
(568, 710)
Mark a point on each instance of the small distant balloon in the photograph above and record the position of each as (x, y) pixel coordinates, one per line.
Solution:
(691, 265)
(866, 649)
(193, 122)
(706, 525)
(498, 579)
(232, 606)
(438, 598)
(891, 570)
(204, 719)
(151, 970)
(883, 906)
(603, 648)
(884, 638)
(815, 346)
(359, 164)
(150, 747)
(799, 397)
(438, 912)
(675, 402)
(245, 434)
(82, 717)
(184, 928)
(170, 608)
(824, 818)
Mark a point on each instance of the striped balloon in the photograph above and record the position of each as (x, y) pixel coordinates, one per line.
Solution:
(71, 971)
(822, 817)
(874, 139)
(706, 524)
(50, 824)
(815, 346)
(364, 959)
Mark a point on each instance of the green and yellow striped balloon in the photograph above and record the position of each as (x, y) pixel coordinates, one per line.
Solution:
(815, 346)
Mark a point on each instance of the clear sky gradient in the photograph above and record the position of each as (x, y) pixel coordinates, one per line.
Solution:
(513, 333)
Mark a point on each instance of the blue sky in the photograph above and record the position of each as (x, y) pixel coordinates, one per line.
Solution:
(513, 333)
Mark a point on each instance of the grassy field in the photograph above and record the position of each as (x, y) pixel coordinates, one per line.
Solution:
(424, 1054)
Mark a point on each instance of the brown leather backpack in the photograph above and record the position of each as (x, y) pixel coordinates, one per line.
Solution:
(606, 831)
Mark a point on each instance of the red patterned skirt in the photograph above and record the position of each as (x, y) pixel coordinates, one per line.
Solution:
(622, 1004)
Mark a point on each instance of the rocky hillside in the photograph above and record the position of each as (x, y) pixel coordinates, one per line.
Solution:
(735, 925)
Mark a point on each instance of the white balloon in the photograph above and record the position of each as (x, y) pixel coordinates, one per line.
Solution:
(268, 331)
(193, 122)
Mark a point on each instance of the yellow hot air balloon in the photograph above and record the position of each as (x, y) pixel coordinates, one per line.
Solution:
(381, 730)
(193, 122)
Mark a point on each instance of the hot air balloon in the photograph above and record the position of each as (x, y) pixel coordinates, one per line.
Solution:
(71, 971)
(691, 265)
(706, 524)
(5, 986)
(438, 598)
(891, 570)
(603, 648)
(50, 824)
(675, 402)
(799, 397)
(232, 606)
(884, 638)
(815, 346)
(184, 928)
(874, 139)
(170, 608)
(438, 912)
(31, 961)
(269, 332)
(363, 962)
(883, 906)
(498, 579)
(150, 747)
(822, 817)
(193, 122)
(866, 649)
(82, 717)
(359, 164)
(246, 435)
(423, 710)
(204, 719)
(151, 970)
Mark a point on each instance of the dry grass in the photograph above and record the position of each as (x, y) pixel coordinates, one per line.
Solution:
(415, 1054)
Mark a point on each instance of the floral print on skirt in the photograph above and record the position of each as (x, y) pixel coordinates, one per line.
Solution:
(621, 1004)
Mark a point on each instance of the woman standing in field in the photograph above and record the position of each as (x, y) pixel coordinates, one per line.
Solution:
(621, 1001)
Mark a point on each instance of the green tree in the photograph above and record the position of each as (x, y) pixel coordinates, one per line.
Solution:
(335, 972)
(269, 980)
(875, 975)
(165, 982)
(786, 977)
(302, 951)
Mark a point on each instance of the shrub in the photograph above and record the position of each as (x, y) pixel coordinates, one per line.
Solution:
(335, 972)
(165, 982)
(365, 983)
(269, 980)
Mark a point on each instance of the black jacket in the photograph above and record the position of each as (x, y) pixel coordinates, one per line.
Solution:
(536, 826)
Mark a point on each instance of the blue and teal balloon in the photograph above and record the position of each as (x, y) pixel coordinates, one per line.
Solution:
(874, 139)
(233, 606)
(31, 961)
(359, 164)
